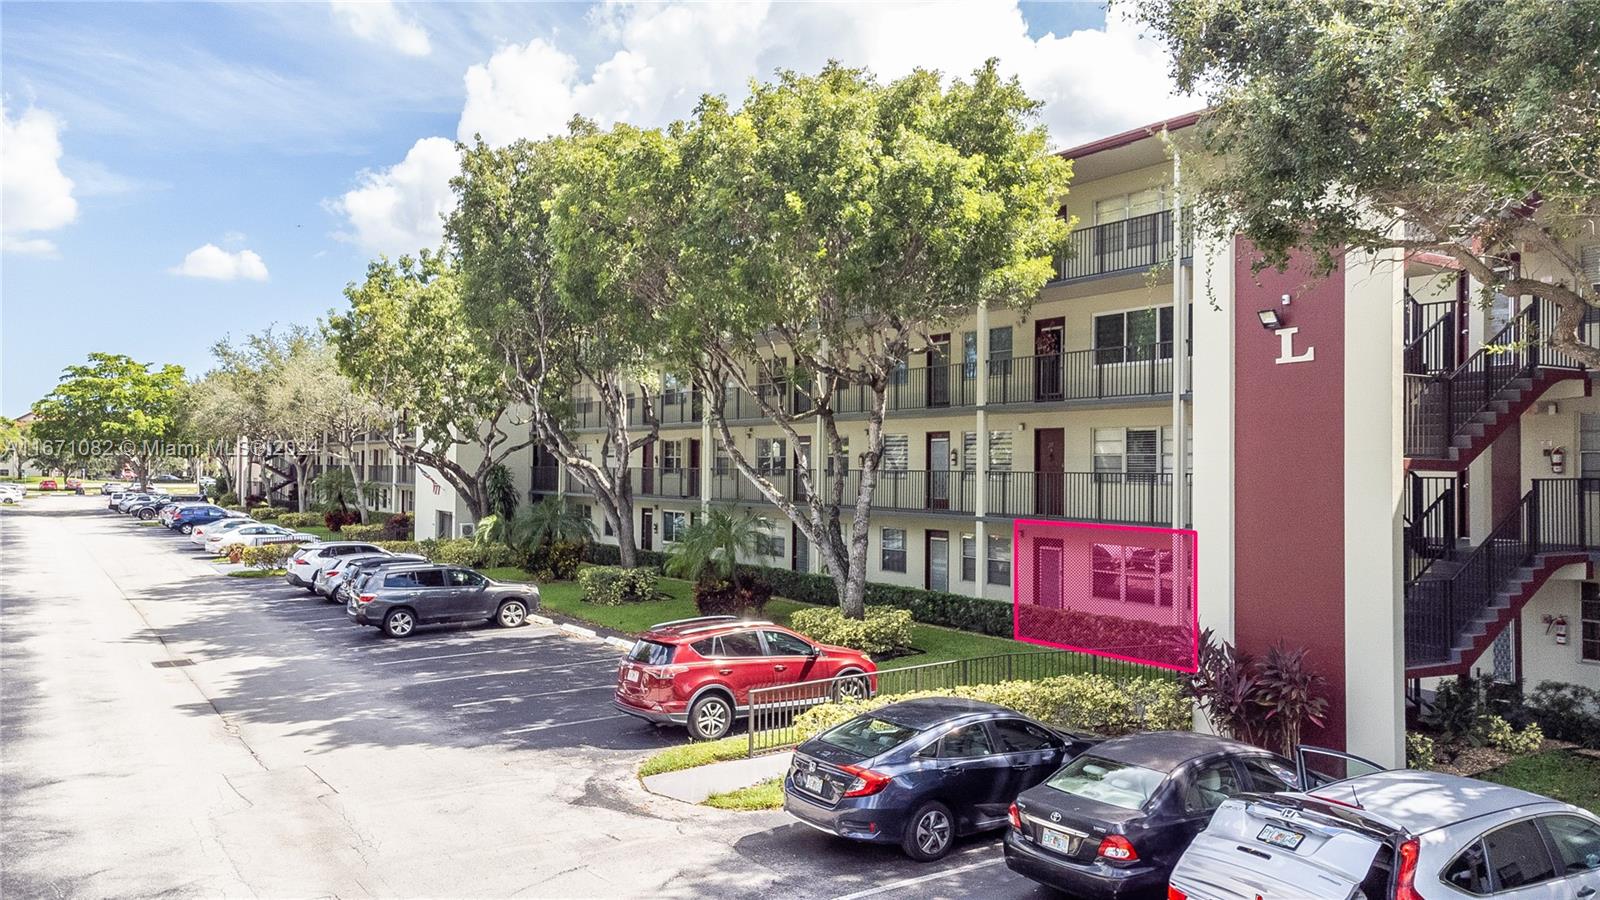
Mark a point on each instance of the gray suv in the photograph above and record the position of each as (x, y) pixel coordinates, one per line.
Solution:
(397, 599)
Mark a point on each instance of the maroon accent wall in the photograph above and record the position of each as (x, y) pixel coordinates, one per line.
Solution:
(1288, 470)
(1505, 471)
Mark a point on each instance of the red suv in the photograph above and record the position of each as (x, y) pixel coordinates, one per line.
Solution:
(699, 672)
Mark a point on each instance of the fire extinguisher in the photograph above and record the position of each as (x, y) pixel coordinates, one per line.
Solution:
(1556, 625)
(1558, 459)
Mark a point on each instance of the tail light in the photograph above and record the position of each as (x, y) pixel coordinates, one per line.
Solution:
(300, 562)
(366, 598)
(1175, 894)
(867, 781)
(332, 569)
(1116, 847)
(1016, 817)
(1406, 879)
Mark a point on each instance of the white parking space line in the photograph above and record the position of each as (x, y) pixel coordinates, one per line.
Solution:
(411, 659)
(485, 702)
(921, 879)
(549, 725)
(512, 671)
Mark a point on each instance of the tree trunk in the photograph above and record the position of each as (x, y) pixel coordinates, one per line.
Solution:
(299, 485)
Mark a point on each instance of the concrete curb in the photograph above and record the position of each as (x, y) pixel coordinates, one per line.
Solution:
(579, 631)
(619, 643)
(541, 620)
(696, 784)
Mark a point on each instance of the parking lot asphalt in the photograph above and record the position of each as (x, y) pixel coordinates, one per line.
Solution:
(170, 730)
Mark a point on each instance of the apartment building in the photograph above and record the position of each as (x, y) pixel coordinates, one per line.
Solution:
(1365, 482)
(390, 480)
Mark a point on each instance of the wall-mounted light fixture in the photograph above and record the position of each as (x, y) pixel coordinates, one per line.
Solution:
(1270, 319)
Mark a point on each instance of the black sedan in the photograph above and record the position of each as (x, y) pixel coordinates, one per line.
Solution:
(1115, 820)
(922, 772)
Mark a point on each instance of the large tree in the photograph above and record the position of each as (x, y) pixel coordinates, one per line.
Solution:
(404, 342)
(551, 240)
(1465, 128)
(829, 227)
(113, 405)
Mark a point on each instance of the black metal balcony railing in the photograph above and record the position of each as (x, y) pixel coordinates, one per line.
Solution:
(1117, 497)
(1432, 528)
(1440, 407)
(1105, 373)
(657, 481)
(1127, 246)
(546, 478)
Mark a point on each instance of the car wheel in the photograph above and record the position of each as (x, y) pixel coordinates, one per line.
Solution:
(847, 689)
(710, 718)
(930, 832)
(147, 514)
(399, 623)
(186, 528)
(512, 613)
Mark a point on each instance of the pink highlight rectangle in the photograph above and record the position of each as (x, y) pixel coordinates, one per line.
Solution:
(1124, 592)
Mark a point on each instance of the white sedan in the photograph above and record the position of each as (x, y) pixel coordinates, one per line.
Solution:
(256, 536)
(209, 530)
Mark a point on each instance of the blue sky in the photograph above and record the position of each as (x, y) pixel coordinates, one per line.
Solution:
(299, 140)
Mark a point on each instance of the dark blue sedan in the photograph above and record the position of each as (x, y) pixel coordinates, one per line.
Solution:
(923, 772)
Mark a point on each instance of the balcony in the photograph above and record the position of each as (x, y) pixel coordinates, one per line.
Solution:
(1104, 373)
(1113, 497)
(1115, 248)
(655, 482)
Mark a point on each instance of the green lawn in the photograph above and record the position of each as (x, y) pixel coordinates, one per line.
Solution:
(256, 573)
(936, 644)
(761, 795)
(675, 759)
(321, 531)
(1561, 774)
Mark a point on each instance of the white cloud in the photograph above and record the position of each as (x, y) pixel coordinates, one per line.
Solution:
(401, 209)
(34, 193)
(378, 21)
(211, 261)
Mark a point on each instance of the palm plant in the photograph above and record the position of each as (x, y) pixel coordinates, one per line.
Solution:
(550, 521)
(709, 550)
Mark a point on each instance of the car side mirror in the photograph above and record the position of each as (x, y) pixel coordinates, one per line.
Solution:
(813, 651)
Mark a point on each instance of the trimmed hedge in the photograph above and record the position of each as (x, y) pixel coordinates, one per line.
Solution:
(267, 513)
(1096, 703)
(467, 552)
(299, 519)
(957, 611)
(614, 585)
(610, 555)
(268, 556)
(362, 532)
(882, 631)
(401, 547)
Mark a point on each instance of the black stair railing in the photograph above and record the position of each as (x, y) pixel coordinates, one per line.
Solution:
(1431, 338)
(1432, 527)
(1439, 408)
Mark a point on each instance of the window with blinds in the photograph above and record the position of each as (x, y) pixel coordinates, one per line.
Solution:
(896, 452)
(969, 451)
(1000, 451)
(770, 456)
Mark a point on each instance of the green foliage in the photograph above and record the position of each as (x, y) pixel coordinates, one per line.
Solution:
(557, 562)
(724, 598)
(467, 552)
(1502, 736)
(1567, 712)
(1259, 700)
(230, 500)
(614, 585)
(268, 556)
(399, 527)
(884, 630)
(766, 794)
(992, 617)
(267, 512)
(1419, 751)
(1094, 703)
(112, 405)
(401, 546)
(550, 521)
(709, 550)
(608, 555)
(1459, 709)
(358, 532)
(298, 519)
(502, 492)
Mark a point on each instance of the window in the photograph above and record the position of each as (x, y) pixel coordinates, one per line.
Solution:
(1469, 871)
(1137, 334)
(969, 355)
(1131, 574)
(1589, 446)
(1518, 856)
(722, 463)
(671, 455)
(1138, 453)
(1108, 447)
(446, 524)
(769, 545)
(1577, 843)
(893, 543)
(896, 452)
(999, 560)
(741, 643)
(966, 742)
(1268, 775)
(609, 531)
(899, 374)
(1017, 736)
(466, 578)
(1130, 205)
(771, 457)
(840, 462)
(1208, 786)
(1104, 781)
(673, 525)
(671, 387)
(1000, 451)
(969, 451)
(1589, 623)
(868, 736)
(969, 558)
(782, 644)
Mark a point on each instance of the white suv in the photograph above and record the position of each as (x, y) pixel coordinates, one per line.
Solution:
(310, 560)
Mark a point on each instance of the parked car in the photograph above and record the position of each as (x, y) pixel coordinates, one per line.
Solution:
(354, 569)
(198, 514)
(1116, 819)
(306, 564)
(130, 499)
(326, 581)
(397, 599)
(699, 672)
(166, 479)
(1399, 833)
(168, 510)
(11, 493)
(209, 530)
(923, 772)
(110, 487)
(48, 484)
(257, 535)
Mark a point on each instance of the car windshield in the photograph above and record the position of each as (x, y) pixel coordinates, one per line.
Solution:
(650, 653)
(1107, 781)
(868, 736)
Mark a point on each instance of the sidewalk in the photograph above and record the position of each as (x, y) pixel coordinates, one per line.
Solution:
(696, 784)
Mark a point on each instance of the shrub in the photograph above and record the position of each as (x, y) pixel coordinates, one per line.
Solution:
(400, 527)
(1567, 712)
(721, 598)
(1096, 703)
(336, 519)
(268, 556)
(614, 585)
(230, 500)
(1419, 751)
(882, 631)
(359, 532)
(610, 555)
(974, 614)
(1502, 736)
(299, 519)
(265, 513)
(1262, 701)
(400, 547)
(1459, 709)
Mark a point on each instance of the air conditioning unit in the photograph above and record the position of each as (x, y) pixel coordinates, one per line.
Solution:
(468, 529)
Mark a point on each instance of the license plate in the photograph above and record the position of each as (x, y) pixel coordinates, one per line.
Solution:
(1280, 837)
(632, 674)
(1058, 841)
(812, 783)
